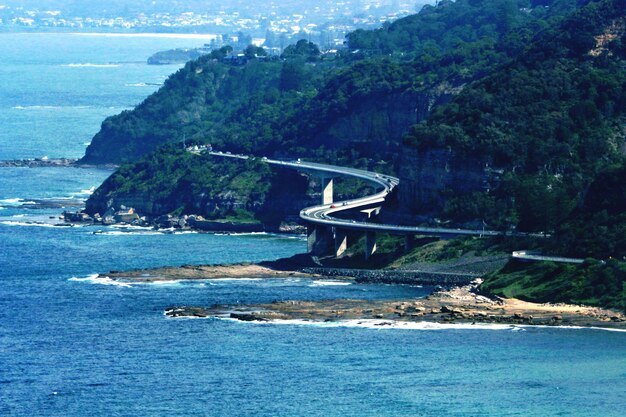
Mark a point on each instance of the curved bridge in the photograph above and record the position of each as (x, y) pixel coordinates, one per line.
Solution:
(324, 229)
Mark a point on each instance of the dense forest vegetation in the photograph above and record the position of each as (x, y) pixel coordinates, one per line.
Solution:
(533, 89)
(551, 120)
(309, 105)
(274, 106)
(351, 109)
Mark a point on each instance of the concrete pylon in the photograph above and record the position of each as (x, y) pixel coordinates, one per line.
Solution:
(370, 213)
(319, 240)
(327, 190)
(409, 243)
(341, 242)
(370, 244)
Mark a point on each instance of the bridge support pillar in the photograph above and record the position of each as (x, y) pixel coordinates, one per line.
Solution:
(409, 243)
(319, 240)
(370, 244)
(327, 190)
(341, 242)
(370, 213)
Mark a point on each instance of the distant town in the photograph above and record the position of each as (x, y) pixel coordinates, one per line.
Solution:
(324, 22)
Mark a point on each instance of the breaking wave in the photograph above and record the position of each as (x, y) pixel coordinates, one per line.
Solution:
(379, 324)
(49, 107)
(97, 279)
(329, 283)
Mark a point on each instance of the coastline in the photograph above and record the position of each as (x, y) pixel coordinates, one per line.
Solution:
(457, 305)
(205, 272)
(52, 163)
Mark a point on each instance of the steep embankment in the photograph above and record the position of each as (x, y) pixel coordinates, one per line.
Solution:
(519, 148)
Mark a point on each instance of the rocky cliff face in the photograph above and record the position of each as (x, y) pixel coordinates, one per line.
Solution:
(286, 196)
(374, 127)
(428, 178)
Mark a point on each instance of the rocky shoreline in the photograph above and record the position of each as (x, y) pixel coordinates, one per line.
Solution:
(39, 162)
(461, 304)
(46, 162)
(458, 305)
(206, 272)
(184, 222)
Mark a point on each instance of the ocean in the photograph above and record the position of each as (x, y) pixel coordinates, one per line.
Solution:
(73, 344)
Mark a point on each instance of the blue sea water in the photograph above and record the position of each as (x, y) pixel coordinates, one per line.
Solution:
(75, 345)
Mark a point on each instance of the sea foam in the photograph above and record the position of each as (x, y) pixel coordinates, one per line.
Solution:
(97, 279)
(16, 202)
(27, 224)
(49, 107)
(423, 325)
(329, 283)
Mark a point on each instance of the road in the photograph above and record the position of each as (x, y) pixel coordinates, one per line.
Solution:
(322, 214)
(529, 256)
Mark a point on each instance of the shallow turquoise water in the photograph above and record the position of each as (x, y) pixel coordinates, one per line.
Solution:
(71, 345)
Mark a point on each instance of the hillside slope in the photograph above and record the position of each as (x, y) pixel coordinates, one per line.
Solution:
(365, 96)
(520, 147)
(353, 109)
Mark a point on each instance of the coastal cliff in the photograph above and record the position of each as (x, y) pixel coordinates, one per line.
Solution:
(431, 177)
(201, 185)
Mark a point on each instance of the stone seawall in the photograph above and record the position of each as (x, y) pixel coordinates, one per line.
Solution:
(396, 277)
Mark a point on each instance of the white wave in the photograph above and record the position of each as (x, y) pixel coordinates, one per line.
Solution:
(164, 283)
(90, 65)
(236, 279)
(16, 202)
(136, 85)
(572, 328)
(125, 229)
(10, 201)
(57, 198)
(328, 283)
(28, 224)
(131, 227)
(241, 234)
(423, 325)
(97, 279)
(183, 317)
(88, 191)
(49, 107)
(127, 233)
(392, 324)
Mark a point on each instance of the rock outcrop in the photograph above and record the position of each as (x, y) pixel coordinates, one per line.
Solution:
(428, 177)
